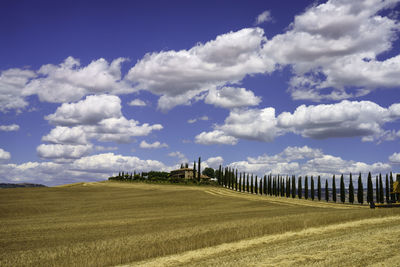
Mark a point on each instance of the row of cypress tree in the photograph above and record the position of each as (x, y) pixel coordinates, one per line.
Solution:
(285, 186)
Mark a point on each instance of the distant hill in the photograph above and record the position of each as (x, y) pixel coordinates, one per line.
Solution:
(6, 185)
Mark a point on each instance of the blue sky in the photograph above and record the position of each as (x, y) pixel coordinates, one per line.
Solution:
(90, 88)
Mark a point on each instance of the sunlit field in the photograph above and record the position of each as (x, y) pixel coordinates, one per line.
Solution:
(111, 223)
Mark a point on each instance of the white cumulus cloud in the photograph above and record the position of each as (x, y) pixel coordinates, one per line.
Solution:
(215, 137)
(97, 117)
(154, 145)
(263, 17)
(306, 161)
(333, 49)
(12, 83)
(395, 158)
(4, 155)
(232, 97)
(69, 81)
(214, 162)
(9, 128)
(137, 103)
(364, 119)
(60, 152)
(179, 76)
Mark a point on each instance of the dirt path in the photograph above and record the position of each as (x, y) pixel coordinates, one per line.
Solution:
(357, 243)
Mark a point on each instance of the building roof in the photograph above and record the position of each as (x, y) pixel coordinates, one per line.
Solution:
(182, 169)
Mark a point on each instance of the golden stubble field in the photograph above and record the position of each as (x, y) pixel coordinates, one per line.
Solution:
(111, 223)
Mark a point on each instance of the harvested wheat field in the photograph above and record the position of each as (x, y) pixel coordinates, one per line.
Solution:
(111, 223)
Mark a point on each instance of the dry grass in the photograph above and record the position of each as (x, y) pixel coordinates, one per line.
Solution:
(102, 224)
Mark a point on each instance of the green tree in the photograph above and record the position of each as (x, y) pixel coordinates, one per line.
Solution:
(299, 188)
(334, 189)
(255, 185)
(209, 172)
(248, 184)
(326, 191)
(199, 171)
(265, 185)
(392, 196)
(293, 186)
(306, 187)
(377, 189)
(273, 186)
(319, 188)
(240, 182)
(261, 186)
(236, 181)
(218, 174)
(252, 184)
(342, 190)
(312, 188)
(387, 189)
(228, 177)
(194, 170)
(351, 190)
(287, 186)
(360, 190)
(277, 182)
(370, 192)
(381, 196)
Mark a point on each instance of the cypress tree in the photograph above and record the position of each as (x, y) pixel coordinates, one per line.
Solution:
(351, 190)
(219, 174)
(273, 187)
(312, 188)
(248, 184)
(306, 187)
(199, 171)
(228, 176)
(261, 186)
(194, 170)
(240, 182)
(370, 193)
(333, 189)
(287, 186)
(387, 189)
(319, 188)
(293, 186)
(360, 190)
(225, 177)
(236, 181)
(381, 196)
(392, 196)
(265, 184)
(251, 184)
(299, 188)
(282, 187)
(255, 185)
(377, 190)
(326, 191)
(342, 192)
(277, 182)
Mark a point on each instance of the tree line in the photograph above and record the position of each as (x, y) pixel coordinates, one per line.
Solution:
(308, 187)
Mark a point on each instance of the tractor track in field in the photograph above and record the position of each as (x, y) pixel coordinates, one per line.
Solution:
(225, 192)
(292, 242)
